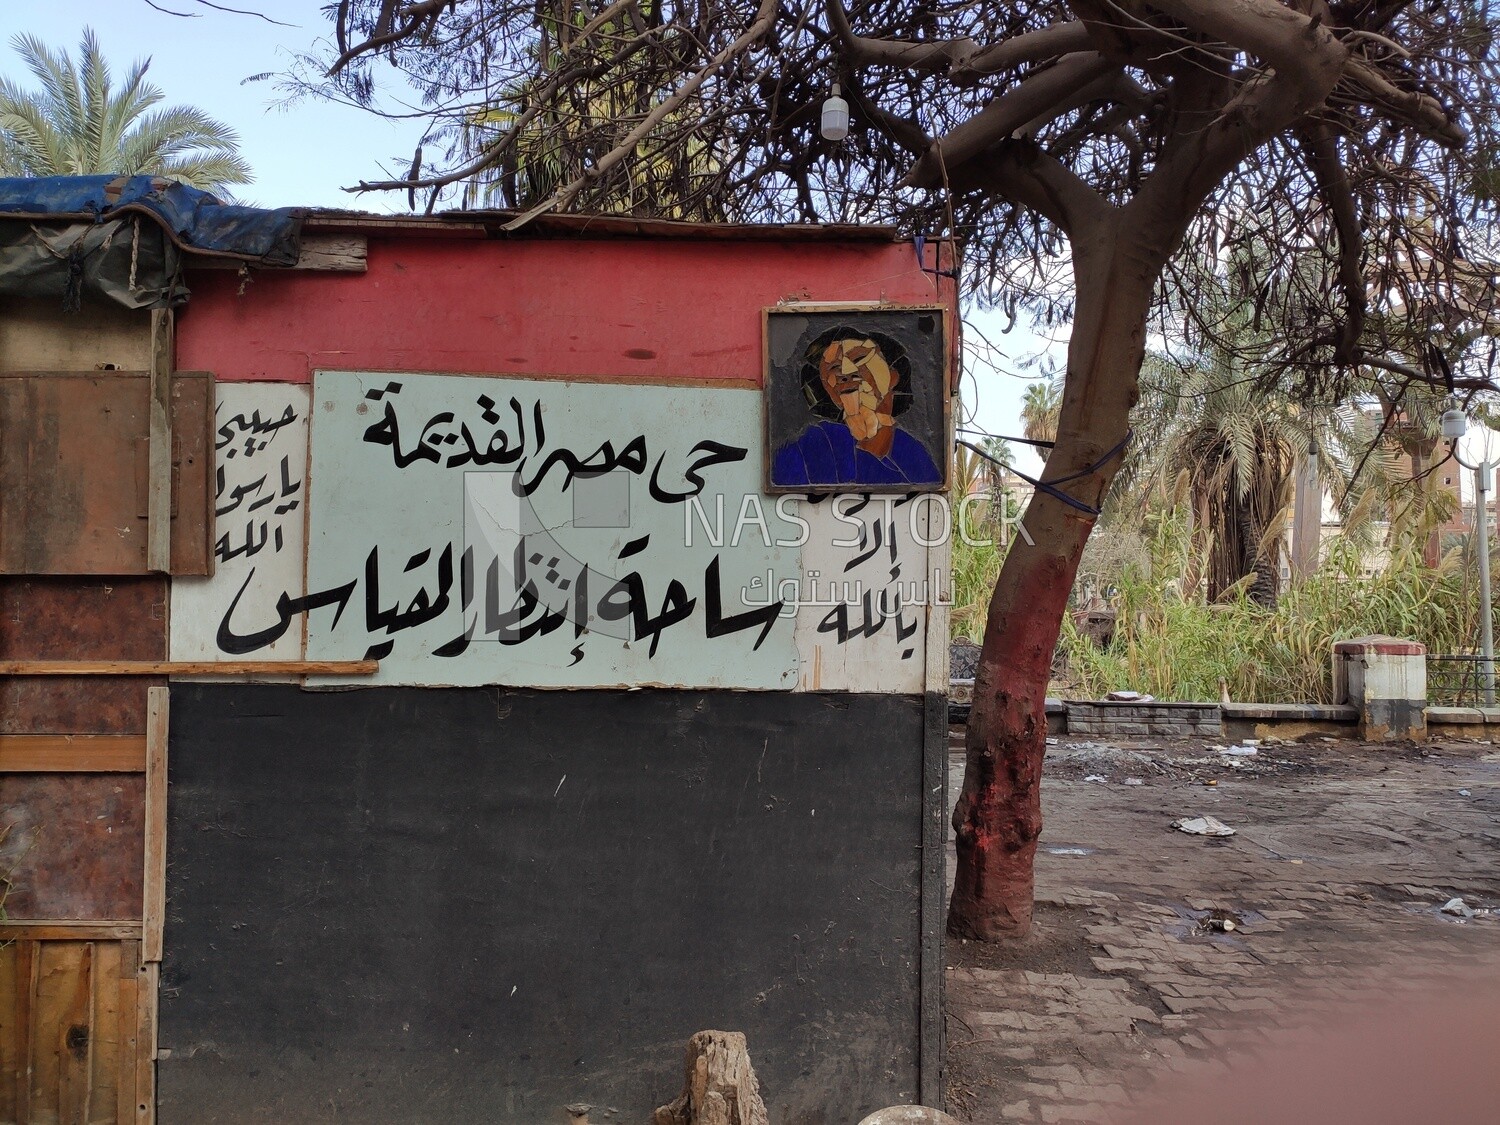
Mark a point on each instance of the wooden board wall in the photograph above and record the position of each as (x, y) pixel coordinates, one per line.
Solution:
(37, 335)
(79, 619)
(70, 1024)
(77, 1005)
(75, 475)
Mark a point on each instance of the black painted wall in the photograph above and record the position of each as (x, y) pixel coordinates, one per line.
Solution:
(479, 905)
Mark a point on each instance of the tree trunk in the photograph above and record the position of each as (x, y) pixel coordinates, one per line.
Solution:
(999, 816)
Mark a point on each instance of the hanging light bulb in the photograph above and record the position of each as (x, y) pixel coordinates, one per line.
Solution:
(835, 125)
(1454, 423)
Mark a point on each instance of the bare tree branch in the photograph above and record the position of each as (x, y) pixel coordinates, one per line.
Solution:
(1019, 171)
(565, 195)
(1333, 182)
(1029, 100)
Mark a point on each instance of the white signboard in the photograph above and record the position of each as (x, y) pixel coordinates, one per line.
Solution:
(260, 461)
(866, 591)
(545, 533)
(518, 531)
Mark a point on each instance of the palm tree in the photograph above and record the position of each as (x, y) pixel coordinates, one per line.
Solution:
(1226, 434)
(78, 125)
(1040, 407)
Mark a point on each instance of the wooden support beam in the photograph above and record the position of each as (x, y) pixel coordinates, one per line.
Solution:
(331, 253)
(189, 667)
(159, 478)
(72, 753)
(148, 981)
(154, 904)
(69, 929)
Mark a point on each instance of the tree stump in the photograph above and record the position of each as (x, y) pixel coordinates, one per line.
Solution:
(719, 1086)
(909, 1115)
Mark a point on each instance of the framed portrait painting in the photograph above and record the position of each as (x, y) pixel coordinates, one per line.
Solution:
(856, 399)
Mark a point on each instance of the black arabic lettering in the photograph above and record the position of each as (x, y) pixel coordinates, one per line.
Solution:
(627, 598)
(717, 625)
(714, 453)
(287, 607)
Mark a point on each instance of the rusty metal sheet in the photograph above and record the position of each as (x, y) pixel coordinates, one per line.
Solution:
(73, 454)
(79, 619)
(74, 844)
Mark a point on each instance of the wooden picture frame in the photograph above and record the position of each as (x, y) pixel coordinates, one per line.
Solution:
(857, 398)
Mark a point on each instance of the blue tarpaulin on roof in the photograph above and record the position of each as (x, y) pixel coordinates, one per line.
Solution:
(124, 238)
(195, 220)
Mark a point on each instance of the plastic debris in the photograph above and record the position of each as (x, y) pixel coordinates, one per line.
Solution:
(1133, 781)
(1203, 826)
(1096, 777)
(1240, 751)
(1463, 792)
(1457, 907)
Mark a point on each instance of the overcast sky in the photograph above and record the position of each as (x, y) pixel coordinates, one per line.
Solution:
(304, 155)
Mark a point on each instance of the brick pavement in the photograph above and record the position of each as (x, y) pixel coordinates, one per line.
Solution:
(1343, 855)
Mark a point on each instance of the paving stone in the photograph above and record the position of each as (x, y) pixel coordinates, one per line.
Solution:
(1335, 929)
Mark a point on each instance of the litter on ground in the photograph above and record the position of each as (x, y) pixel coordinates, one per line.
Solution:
(1203, 826)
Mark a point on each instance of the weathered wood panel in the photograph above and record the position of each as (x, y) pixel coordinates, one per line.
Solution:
(37, 335)
(466, 905)
(75, 845)
(68, 1012)
(74, 473)
(79, 619)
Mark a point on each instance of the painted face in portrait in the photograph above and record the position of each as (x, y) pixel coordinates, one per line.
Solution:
(862, 384)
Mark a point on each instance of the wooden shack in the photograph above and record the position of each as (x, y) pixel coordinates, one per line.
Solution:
(418, 702)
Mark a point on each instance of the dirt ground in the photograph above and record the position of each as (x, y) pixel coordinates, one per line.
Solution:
(1331, 888)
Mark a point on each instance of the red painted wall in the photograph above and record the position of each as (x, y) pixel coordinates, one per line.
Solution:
(617, 308)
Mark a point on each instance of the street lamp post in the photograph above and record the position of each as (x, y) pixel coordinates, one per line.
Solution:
(1454, 425)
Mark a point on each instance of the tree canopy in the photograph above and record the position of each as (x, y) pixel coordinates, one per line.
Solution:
(1007, 120)
(1102, 161)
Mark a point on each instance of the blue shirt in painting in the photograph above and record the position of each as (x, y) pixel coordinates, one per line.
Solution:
(826, 453)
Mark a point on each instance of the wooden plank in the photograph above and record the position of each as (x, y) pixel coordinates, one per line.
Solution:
(26, 992)
(189, 667)
(74, 1032)
(115, 618)
(934, 817)
(72, 753)
(193, 486)
(332, 253)
(127, 1032)
(159, 494)
(145, 1044)
(69, 929)
(61, 963)
(10, 1038)
(104, 1035)
(154, 899)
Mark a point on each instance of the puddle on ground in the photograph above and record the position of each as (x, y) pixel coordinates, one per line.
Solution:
(1211, 924)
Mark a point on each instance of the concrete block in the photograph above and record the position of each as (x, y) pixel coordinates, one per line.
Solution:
(1385, 678)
